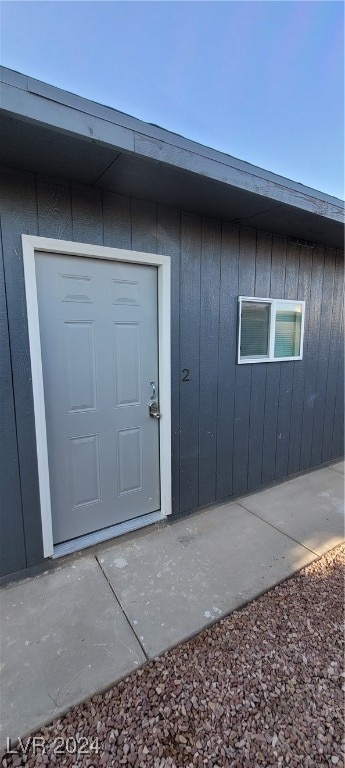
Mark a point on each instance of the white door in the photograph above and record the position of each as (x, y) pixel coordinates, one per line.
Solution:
(99, 339)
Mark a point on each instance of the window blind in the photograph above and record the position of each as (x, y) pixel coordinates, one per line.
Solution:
(287, 333)
(255, 319)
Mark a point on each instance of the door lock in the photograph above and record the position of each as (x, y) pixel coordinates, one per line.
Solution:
(153, 409)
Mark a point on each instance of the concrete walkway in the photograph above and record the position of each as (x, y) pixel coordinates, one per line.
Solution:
(78, 629)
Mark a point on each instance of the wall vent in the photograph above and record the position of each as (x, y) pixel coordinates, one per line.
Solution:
(301, 241)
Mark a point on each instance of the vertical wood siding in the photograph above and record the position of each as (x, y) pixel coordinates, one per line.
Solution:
(234, 428)
(168, 242)
(335, 361)
(312, 353)
(299, 371)
(19, 215)
(259, 372)
(209, 347)
(12, 544)
(228, 293)
(243, 373)
(190, 275)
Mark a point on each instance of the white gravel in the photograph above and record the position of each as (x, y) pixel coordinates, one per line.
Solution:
(262, 688)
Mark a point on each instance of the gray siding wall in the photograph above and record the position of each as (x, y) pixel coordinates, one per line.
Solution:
(234, 428)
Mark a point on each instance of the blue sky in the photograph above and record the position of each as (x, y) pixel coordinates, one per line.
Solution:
(262, 81)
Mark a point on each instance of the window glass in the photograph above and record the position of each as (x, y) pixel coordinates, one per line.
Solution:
(287, 341)
(255, 321)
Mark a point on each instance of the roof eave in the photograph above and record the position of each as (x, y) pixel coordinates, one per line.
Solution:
(30, 101)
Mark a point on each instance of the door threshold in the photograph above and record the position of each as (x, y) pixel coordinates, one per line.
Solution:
(90, 539)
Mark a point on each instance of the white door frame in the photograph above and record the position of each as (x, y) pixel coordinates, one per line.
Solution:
(66, 248)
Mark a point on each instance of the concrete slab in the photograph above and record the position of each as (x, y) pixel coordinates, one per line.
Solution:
(175, 581)
(64, 637)
(338, 467)
(309, 508)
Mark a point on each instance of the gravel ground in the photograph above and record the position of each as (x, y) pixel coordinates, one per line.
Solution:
(263, 687)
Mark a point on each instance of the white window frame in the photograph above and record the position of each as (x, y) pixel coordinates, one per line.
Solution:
(32, 244)
(273, 311)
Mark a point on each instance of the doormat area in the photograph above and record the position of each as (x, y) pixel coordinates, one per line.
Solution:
(263, 687)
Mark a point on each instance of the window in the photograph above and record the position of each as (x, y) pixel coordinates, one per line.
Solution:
(270, 330)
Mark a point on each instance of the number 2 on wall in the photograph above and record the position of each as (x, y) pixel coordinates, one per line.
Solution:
(185, 377)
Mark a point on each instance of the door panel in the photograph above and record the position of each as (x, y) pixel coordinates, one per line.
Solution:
(84, 470)
(99, 339)
(130, 453)
(79, 359)
(127, 363)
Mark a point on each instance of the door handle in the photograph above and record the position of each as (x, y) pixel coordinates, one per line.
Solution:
(153, 410)
(153, 385)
